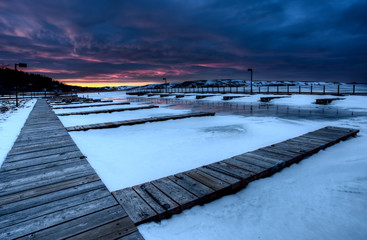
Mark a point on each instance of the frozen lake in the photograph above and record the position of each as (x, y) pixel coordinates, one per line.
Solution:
(322, 197)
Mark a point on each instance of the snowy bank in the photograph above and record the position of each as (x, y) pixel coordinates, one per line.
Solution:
(11, 123)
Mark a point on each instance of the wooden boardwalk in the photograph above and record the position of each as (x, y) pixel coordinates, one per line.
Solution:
(92, 105)
(137, 121)
(108, 110)
(48, 190)
(231, 97)
(325, 101)
(161, 198)
(268, 99)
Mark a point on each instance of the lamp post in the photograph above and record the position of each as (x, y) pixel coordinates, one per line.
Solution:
(250, 70)
(165, 82)
(16, 82)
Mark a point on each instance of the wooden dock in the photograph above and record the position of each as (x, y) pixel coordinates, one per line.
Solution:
(203, 96)
(325, 101)
(48, 190)
(92, 105)
(137, 121)
(231, 97)
(268, 99)
(108, 110)
(159, 199)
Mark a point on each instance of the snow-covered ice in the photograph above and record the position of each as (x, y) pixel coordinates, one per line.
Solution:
(131, 155)
(322, 197)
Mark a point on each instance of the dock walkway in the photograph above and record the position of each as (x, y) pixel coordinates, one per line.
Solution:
(48, 190)
(159, 199)
(108, 110)
(93, 105)
(137, 121)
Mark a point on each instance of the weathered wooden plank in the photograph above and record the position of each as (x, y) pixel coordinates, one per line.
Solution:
(340, 129)
(137, 209)
(270, 155)
(52, 219)
(43, 160)
(208, 180)
(23, 185)
(232, 171)
(306, 146)
(136, 121)
(200, 190)
(161, 203)
(325, 101)
(92, 105)
(74, 183)
(327, 135)
(44, 154)
(243, 165)
(40, 147)
(37, 196)
(42, 128)
(268, 99)
(41, 169)
(42, 166)
(79, 225)
(14, 176)
(38, 134)
(184, 198)
(116, 229)
(203, 96)
(233, 182)
(25, 143)
(231, 97)
(302, 151)
(48, 207)
(108, 110)
(39, 137)
(255, 161)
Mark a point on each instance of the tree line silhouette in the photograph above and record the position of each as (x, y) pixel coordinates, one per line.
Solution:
(11, 79)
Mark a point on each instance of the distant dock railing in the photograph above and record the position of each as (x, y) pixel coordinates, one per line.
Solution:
(340, 89)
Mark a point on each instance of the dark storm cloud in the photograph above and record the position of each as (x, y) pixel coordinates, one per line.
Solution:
(129, 41)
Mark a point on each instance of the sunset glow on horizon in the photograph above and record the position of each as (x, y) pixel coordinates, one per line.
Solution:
(107, 84)
(134, 43)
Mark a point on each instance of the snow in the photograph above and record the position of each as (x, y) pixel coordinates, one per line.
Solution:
(11, 122)
(322, 197)
(131, 155)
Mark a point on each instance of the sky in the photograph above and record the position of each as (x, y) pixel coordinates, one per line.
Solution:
(115, 43)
